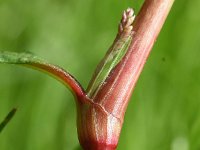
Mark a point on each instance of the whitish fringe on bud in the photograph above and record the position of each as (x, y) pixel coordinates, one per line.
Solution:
(126, 24)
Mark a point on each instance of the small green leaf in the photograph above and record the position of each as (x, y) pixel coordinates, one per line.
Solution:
(7, 119)
(115, 54)
(29, 60)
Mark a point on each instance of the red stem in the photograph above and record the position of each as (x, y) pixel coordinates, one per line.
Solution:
(100, 121)
(64, 77)
(115, 94)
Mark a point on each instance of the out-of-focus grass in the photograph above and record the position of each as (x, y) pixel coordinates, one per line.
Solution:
(164, 113)
(6, 120)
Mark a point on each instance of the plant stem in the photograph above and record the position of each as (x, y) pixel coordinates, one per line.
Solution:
(100, 123)
(121, 82)
(101, 112)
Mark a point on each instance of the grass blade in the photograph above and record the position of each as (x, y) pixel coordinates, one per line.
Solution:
(7, 119)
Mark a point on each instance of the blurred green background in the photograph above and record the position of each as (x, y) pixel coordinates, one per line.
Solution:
(164, 113)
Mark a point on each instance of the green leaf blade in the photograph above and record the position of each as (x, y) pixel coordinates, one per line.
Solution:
(7, 119)
(110, 61)
(32, 61)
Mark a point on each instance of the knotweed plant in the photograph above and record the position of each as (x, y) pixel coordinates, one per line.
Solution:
(101, 107)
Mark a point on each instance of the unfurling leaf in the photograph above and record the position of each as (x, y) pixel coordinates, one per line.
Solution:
(115, 54)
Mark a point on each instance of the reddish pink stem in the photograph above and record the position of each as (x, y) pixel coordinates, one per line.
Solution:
(100, 121)
(64, 77)
(116, 93)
